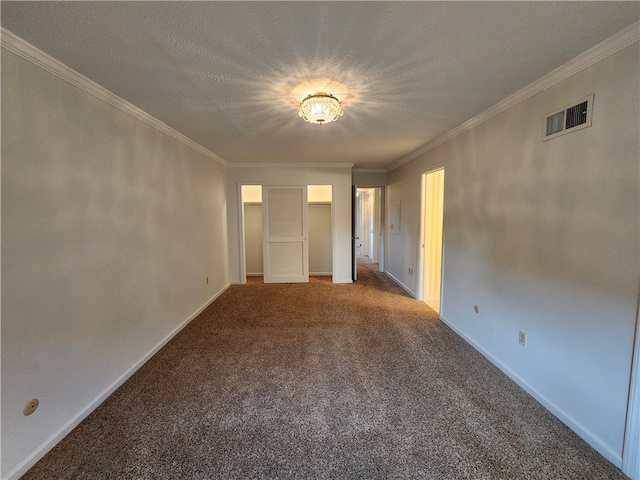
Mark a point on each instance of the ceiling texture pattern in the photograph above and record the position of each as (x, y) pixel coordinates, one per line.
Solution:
(230, 75)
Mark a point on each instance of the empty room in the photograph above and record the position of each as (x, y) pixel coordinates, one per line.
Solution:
(323, 240)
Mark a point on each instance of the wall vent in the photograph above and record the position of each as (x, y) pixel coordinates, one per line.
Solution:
(575, 116)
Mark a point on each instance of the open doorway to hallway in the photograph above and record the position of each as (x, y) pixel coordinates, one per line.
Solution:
(432, 208)
(319, 212)
(369, 241)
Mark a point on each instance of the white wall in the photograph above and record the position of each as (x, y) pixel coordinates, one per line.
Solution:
(544, 237)
(336, 175)
(369, 178)
(109, 230)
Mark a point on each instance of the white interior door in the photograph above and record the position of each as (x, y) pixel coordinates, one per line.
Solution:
(284, 234)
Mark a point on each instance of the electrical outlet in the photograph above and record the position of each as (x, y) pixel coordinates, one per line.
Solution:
(522, 338)
(410, 271)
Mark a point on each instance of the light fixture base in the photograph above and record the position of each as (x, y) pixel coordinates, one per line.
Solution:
(320, 108)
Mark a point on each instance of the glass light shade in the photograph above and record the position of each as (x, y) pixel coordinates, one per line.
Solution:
(320, 108)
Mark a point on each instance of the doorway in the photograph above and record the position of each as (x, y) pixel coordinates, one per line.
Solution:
(368, 226)
(431, 231)
(319, 213)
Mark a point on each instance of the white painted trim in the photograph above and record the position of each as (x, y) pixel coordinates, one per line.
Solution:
(631, 450)
(25, 50)
(53, 440)
(289, 165)
(577, 427)
(608, 47)
(320, 274)
(401, 285)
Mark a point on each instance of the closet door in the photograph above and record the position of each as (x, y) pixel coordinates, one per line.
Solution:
(284, 234)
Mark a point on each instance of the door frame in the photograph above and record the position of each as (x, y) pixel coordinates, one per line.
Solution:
(370, 220)
(421, 244)
(242, 259)
(380, 214)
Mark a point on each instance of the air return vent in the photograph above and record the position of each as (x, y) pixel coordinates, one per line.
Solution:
(575, 116)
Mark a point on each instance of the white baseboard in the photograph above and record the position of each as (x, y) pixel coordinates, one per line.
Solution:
(311, 274)
(53, 440)
(401, 285)
(565, 418)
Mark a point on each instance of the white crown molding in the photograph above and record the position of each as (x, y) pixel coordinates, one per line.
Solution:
(606, 48)
(289, 165)
(25, 50)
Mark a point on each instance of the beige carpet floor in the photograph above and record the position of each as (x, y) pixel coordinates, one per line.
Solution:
(320, 381)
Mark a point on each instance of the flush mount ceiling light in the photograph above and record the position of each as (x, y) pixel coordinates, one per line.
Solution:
(320, 108)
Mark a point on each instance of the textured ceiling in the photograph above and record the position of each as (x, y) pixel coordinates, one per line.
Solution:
(229, 74)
